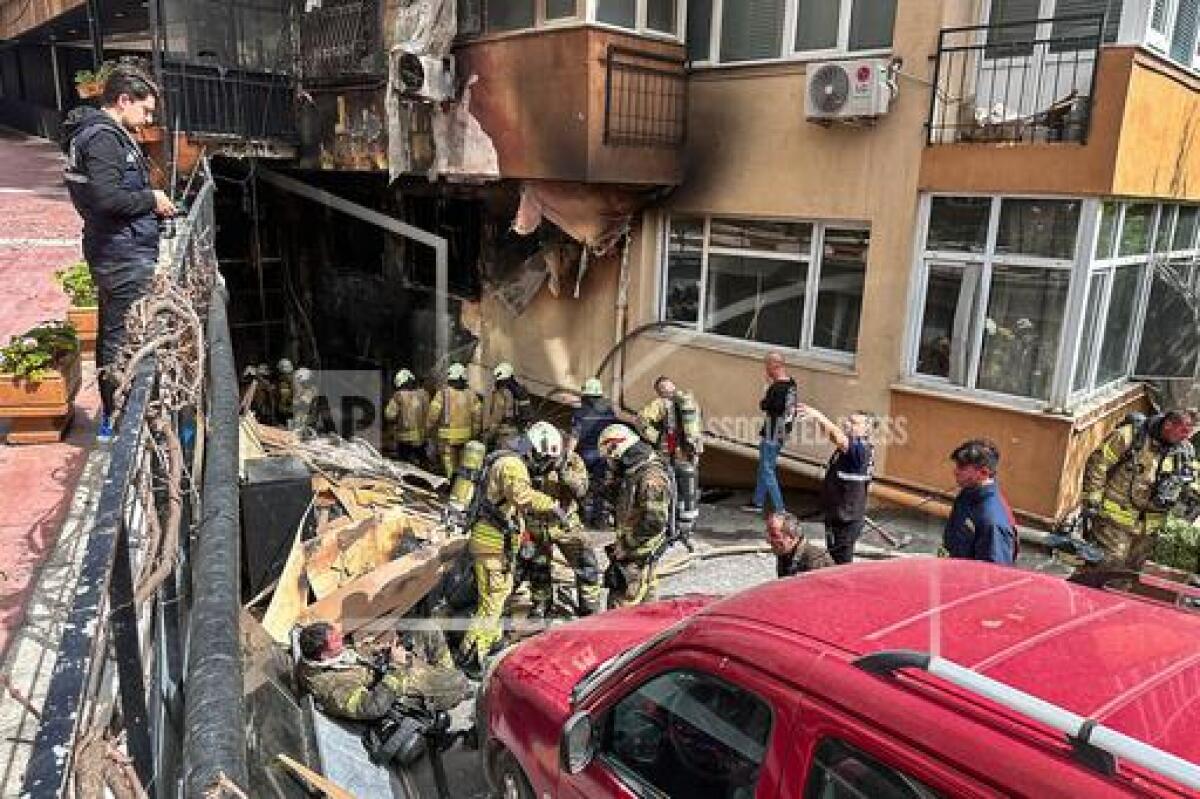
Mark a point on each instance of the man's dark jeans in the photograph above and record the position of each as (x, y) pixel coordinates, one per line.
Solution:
(840, 538)
(118, 286)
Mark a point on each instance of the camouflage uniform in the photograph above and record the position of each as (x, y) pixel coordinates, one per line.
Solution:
(408, 413)
(568, 483)
(643, 516)
(1120, 484)
(455, 414)
(509, 499)
(655, 423)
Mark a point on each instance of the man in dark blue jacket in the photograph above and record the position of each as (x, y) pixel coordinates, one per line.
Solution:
(109, 181)
(588, 421)
(981, 525)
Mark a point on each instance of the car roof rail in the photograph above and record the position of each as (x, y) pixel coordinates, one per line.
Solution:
(1095, 745)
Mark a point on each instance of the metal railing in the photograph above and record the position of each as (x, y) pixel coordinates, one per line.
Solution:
(120, 682)
(645, 99)
(341, 42)
(1029, 81)
(213, 101)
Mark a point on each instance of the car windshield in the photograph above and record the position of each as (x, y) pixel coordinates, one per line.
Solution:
(597, 676)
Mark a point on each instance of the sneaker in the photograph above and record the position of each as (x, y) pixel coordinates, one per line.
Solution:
(752, 508)
(104, 433)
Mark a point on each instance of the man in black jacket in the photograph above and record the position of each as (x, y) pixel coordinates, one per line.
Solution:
(109, 181)
(778, 405)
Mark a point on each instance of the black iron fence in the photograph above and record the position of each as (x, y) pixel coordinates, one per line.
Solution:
(1027, 81)
(341, 42)
(213, 101)
(645, 99)
(149, 662)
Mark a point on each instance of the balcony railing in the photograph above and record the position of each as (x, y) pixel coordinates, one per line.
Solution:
(341, 42)
(1031, 81)
(239, 104)
(645, 99)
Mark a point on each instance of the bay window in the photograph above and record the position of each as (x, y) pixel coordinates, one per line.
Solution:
(739, 31)
(794, 284)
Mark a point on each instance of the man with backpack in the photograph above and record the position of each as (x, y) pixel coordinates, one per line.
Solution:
(1142, 472)
(672, 425)
(509, 408)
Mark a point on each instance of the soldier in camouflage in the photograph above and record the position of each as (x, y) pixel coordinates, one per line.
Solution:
(1145, 470)
(347, 685)
(643, 515)
(563, 476)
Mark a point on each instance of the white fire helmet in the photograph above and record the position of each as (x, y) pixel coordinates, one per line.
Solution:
(503, 371)
(402, 377)
(456, 371)
(546, 441)
(615, 440)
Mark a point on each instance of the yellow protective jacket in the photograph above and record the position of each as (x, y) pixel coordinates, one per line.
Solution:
(568, 485)
(501, 421)
(343, 688)
(455, 413)
(510, 492)
(1123, 472)
(408, 410)
(653, 422)
(644, 509)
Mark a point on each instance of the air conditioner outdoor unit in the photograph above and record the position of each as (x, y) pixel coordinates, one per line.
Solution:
(848, 90)
(423, 77)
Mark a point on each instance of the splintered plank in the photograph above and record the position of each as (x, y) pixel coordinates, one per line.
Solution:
(290, 597)
(344, 551)
(391, 590)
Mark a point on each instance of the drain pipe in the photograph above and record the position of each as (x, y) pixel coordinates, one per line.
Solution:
(214, 745)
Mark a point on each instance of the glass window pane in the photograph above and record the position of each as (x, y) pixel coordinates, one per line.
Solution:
(1135, 234)
(1045, 228)
(661, 16)
(1107, 242)
(1166, 224)
(1006, 39)
(817, 24)
(756, 299)
(685, 250)
(840, 289)
(617, 12)
(1118, 327)
(950, 301)
(959, 224)
(1088, 339)
(752, 30)
(699, 29)
(1185, 228)
(510, 15)
(561, 9)
(839, 771)
(689, 734)
(1020, 337)
(871, 24)
(1168, 348)
(793, 238)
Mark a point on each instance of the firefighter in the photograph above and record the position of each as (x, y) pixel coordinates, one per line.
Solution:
(505, 502)
(259, 393)
(588, 421)
(1142, 472)
(643, 515)
(454, 414)
(562, 475)
(284, 390)
(671, 423)
(304, 398)
(348, 685)
(407, 412)
(509, 409)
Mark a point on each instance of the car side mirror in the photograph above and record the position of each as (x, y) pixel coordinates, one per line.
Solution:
(578, 746)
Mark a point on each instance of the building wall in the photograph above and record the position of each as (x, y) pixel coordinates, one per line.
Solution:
(18, 17)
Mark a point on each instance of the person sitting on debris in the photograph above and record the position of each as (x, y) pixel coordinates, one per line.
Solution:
(348, 685)
(407, 411)
(793, 554)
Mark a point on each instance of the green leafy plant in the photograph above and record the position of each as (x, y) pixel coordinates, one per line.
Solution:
(76, 281)
(84, 76)
(1178, 545)
(34, 354)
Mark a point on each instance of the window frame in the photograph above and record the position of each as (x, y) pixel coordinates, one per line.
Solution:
(586, 15)
(812, 259)
(788, 53)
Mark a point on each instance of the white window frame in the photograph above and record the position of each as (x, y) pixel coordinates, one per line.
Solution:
(788, 52)
(641, 28)
(812, 280)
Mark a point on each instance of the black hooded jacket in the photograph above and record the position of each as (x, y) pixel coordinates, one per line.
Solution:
(109, 181)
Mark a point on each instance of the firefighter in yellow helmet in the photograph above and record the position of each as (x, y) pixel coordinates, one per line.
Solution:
(407, 412)
(1144, 470)
(509, 409)
(564, 476)
(671, 423)
(454, 416)
(505, 503)
(644, 515)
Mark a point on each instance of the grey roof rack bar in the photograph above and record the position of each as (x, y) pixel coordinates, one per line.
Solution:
(1083, 733)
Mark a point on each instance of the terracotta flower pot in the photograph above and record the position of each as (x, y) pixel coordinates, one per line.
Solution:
(41, 410)
(91, 88)
(86, 321)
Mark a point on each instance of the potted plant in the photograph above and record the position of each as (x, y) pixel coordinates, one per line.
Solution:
(39, 378)
(91, 84)
(83, 314)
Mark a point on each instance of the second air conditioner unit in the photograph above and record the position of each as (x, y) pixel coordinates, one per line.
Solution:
(423, 77)
(848, 90)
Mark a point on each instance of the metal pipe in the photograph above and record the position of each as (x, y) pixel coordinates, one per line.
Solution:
(214, 738)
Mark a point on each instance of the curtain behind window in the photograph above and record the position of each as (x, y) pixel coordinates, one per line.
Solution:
(752, 30)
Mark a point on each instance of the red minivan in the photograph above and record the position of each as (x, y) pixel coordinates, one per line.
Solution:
(908, 679)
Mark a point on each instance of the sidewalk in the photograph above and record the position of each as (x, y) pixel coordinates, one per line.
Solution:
(38, 484)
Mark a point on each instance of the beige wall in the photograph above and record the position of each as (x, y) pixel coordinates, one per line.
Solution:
(18, 16)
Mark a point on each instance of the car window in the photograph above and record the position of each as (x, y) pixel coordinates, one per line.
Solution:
(685, 733)
(839, 771)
